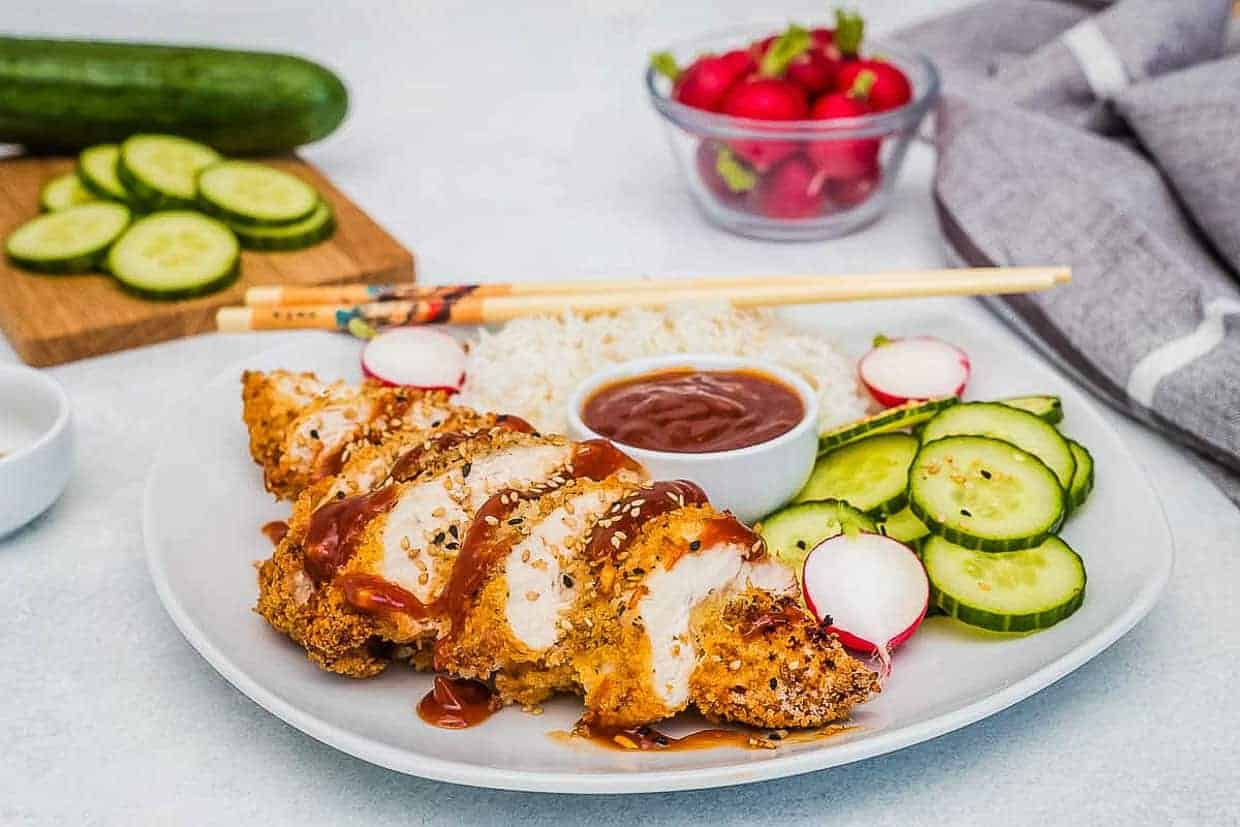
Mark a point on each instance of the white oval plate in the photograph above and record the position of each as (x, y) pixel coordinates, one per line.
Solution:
(205, 503)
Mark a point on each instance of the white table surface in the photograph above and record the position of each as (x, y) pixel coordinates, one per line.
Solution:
(515, 145)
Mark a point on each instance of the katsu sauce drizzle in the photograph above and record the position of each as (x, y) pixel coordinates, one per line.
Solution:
(275, 531)
(456, 703)
(337, 526)
(619, 527)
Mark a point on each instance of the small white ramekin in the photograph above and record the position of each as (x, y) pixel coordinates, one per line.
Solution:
(35, 472)
(750, 482)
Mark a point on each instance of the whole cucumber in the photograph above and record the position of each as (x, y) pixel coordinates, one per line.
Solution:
(68, 94)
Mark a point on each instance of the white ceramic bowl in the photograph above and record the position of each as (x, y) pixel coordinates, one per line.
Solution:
(750, 482)
(36, 440)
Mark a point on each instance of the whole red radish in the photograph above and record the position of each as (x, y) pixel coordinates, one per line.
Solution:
(704, 83)
(845, 157)
(723, 173)
(915, 368)
(822, 38)
(891, 88)
(790, 190)
(867, 588)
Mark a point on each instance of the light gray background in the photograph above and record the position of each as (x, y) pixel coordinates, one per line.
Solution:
(507, 145)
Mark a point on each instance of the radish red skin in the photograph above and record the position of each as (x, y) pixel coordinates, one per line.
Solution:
(891, 400)
(891, 87)
(767, 99)
(791, 190)
(844, 157)
(847, 638)
(387, 383)
(813, 71)
(705, 82)
(849, 192)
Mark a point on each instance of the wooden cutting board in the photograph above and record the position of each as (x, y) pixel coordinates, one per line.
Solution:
(55, 319)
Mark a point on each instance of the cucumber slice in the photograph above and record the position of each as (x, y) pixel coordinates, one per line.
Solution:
(1021, 428)
(246, 193)
(64, 191)
(174, 254)
(1083, 479)
(984, 493)
(870, 474)
(160, 171)
(1047, 408)
(792, 531)
(1013, 591)
(892, 419)
(903, 526)
(97, 169)
(311, 230)
(71, 240)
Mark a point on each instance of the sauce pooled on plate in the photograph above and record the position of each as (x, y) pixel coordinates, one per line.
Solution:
(690, 411)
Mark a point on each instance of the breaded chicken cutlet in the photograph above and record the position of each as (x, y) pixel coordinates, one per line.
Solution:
(542, 566)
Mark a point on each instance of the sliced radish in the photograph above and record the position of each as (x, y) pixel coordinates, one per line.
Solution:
(913, 369)
(869, 589)
(417, 357)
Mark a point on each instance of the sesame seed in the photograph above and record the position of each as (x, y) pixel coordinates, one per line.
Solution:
(531, 596)
(492, 520)
(439, 512)
(695, 545)
(567, 581)
(516, 521)
(735, 665)
(404, 543)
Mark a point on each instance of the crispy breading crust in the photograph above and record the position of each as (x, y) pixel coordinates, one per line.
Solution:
(794, 675)
(334, 636)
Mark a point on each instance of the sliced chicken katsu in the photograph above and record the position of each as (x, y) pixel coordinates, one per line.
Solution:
(515, 625)
(302, 430)
(646, 601)
(373, 566)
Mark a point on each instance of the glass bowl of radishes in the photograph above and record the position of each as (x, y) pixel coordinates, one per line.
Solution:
(791, 134)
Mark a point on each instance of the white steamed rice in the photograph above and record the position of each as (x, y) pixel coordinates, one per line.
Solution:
(531, 367)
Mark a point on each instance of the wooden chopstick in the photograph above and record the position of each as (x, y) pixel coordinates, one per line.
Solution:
(471, 308)
(354, 294)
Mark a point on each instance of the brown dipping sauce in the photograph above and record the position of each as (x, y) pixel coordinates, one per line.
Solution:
(690, 411)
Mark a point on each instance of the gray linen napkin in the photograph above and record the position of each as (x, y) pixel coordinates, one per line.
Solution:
(1021, 179)
(1190, 123)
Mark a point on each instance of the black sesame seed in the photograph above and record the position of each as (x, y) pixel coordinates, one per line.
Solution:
(985, 474)
(465, 469)
(340, 495)
(639, 571)
(774, 683)
(568, 581)
(801, 545)
(452, 546)
(452, 529)
(314, 433)
(966, 512)
(695, 545)
(439, 538)
(775, 736)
